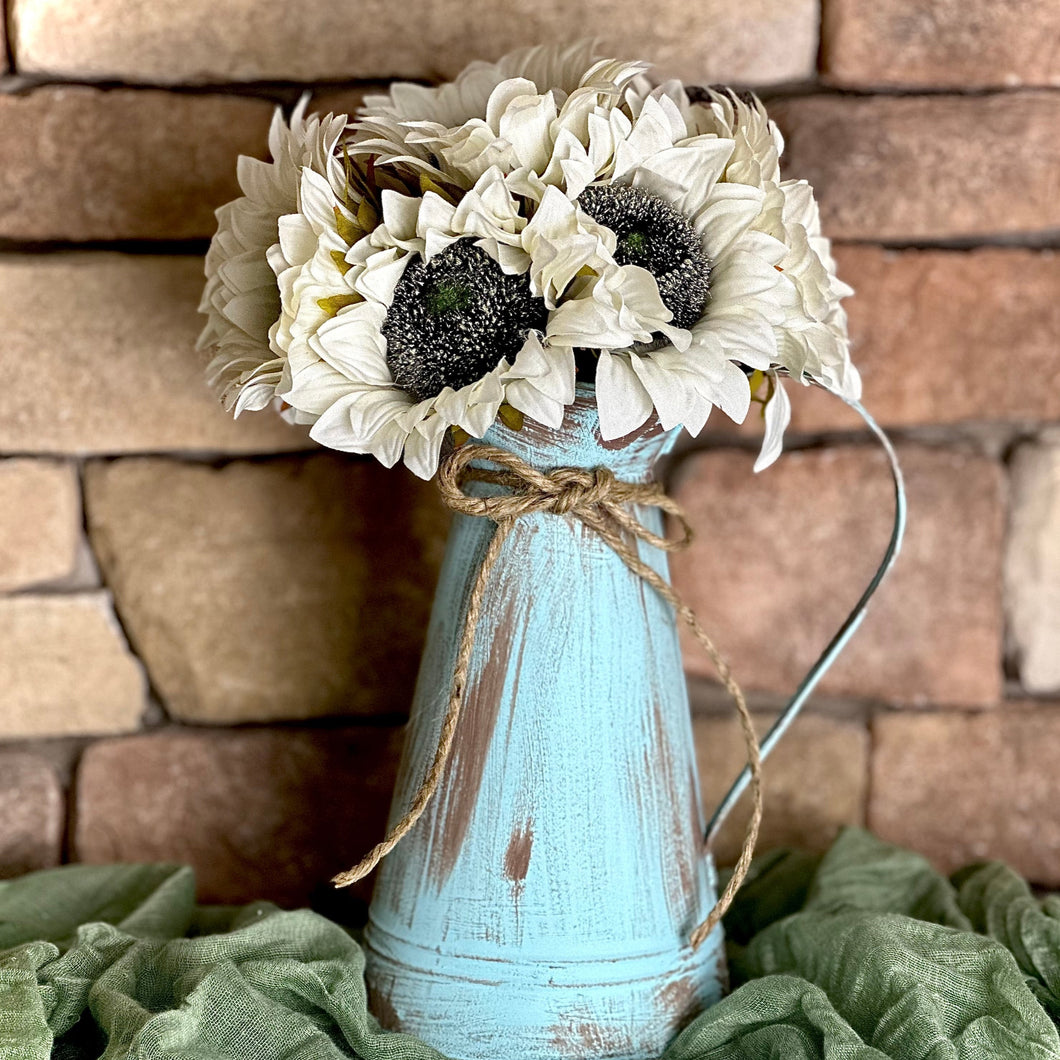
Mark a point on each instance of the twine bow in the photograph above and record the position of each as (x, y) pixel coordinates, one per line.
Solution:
(602, 503)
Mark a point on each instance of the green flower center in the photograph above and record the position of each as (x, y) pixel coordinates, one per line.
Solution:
(446, 297)
(635, 242)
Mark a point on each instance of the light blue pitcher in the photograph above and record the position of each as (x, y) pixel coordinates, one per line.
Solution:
(543, 904)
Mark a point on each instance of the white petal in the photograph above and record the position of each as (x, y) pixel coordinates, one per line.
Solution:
(316, 200)
(365, 421)
(400, 214)
(669, 391)
(849, 385)
(743, 279)
(381, 275)
(541, 381)
(551, 368)
(435, 216)
(298, 241)
(561, 241)
(731, 210)
(250, 313)
(315, 389)
(525, 125)
(684, 175)
(524, 396)
(512, 260)
(482, 399)
(728, 388)
(623, 402)
(697, 414)
(586, 322)
(424, 445)
(503, 96)
(651, 136)
(744, 336)
(777, 418)
(336, 432)
(352, 344)
(256, 395)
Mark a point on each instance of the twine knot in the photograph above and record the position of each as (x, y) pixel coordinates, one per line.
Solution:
(604, 503)
(580, 489)
(595, 496)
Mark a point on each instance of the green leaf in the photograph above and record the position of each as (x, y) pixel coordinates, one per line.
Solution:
(333, 303)
(512, 418)
(348, 231)
(341, 263)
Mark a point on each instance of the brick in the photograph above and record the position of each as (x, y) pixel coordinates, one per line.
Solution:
(948, 43)
(289, 589)
(65, 668)
(815, 782)
(764, 41)
(1032, 567)
(916, 168)
(964, 788)
(260, 814)
(40, 523)
(98, 357)
(944, 336)
(82, 164)
(32, 814)
(781, 557)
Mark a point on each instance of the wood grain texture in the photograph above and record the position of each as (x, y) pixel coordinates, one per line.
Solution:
(542, 905)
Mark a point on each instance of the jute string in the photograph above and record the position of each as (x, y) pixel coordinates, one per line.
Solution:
(601, 502)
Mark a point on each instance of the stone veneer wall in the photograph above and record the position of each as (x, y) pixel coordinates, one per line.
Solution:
(208, 643)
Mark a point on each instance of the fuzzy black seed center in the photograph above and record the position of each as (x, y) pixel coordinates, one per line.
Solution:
(455, 318)
(653, 235)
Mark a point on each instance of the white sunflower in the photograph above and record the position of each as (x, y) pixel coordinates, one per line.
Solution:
(812, 340)
(425, 324)
(240, 299)
(693, 292)
(698, 178)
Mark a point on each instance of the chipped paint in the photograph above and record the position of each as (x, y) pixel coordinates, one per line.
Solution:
(678, 1002)
(663, 760)
(517, 856)
(380, 1007)
(463, 772)
(581, 1036)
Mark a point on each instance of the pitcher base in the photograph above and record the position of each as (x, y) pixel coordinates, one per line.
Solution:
(477, 1008)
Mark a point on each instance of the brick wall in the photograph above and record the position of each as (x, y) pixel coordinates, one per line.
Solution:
(208, 642)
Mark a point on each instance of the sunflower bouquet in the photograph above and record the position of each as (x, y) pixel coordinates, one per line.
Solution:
(401, 278)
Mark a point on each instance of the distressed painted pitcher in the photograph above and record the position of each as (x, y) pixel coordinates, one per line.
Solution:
(542, 906)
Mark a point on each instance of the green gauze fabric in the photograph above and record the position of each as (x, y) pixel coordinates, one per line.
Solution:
(864, 953)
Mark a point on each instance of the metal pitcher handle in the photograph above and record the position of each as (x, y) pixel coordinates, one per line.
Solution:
(840, 640)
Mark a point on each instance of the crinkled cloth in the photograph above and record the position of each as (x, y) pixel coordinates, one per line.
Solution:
(862, 954)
